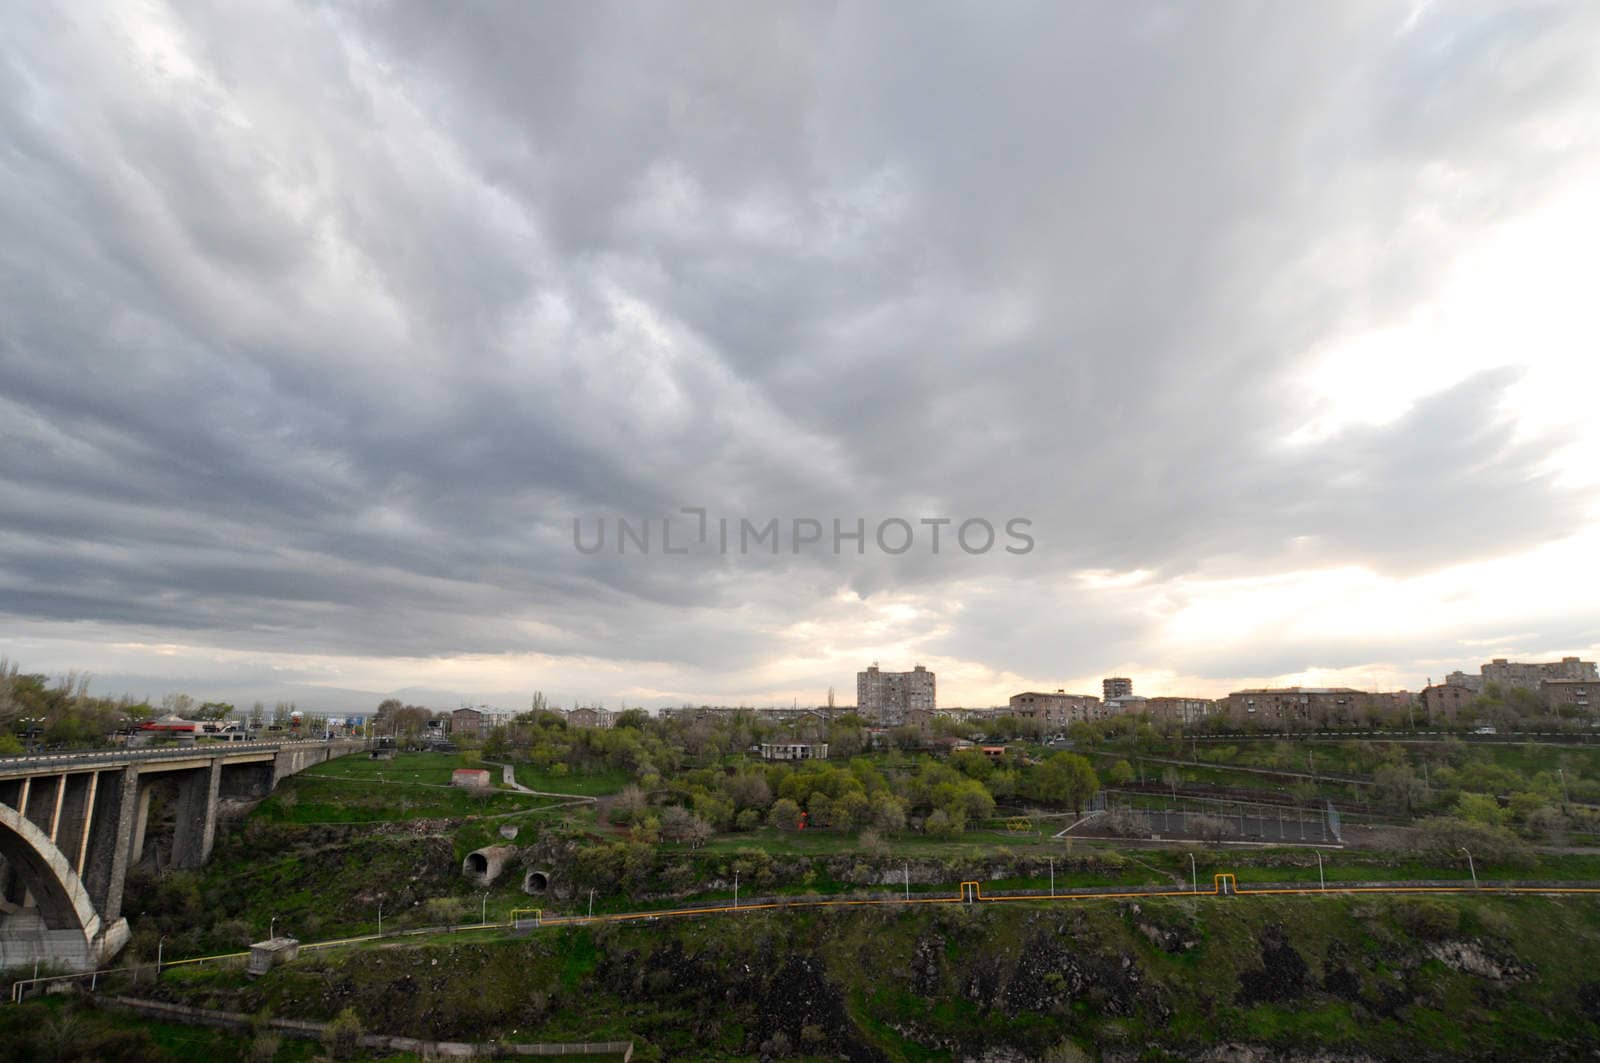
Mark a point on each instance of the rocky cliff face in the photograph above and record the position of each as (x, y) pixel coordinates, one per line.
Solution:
(1304, 979)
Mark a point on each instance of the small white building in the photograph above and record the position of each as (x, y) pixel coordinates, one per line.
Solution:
(794, 751)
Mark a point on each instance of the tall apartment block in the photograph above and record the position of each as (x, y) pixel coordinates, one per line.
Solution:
(1528, 676)
(884, 698)
(1115, 687)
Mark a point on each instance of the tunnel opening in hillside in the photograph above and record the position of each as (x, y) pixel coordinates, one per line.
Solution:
(477, 863)
(536, 882)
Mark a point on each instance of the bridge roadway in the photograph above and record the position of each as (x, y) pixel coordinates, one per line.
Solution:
(71, 824)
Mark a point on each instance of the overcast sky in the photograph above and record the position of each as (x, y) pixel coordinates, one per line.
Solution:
(320, 326)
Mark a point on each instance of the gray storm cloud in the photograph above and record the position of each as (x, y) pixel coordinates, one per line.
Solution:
(321, 325)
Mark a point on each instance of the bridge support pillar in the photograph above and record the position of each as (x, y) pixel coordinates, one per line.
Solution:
(196, 829)
(112, 827)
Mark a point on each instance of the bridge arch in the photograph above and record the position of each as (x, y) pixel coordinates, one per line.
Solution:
(63, 902)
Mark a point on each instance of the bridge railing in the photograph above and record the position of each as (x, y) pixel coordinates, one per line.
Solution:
(119, 756)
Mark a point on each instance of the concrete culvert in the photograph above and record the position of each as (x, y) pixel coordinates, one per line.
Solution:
(484, 865)
(536, 882)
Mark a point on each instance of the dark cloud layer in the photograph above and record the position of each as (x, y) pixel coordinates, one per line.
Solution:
(317, 328)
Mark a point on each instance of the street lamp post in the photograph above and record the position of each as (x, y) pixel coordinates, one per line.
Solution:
(591, 902)
(908, 881)
(1471, 866)
(736, 889)
(1322, 883)
(160, 947)
(1052, 878)
(380, 919)
(1194, 876)
(483, 910)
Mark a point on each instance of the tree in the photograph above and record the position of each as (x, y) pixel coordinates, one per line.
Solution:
(888, 812)
(785, 814)
(1065, 778)
(1480, 808)
(1120, 773)
(749, 790)
(1399, 783)
(257, 716)
(678, 824)
(214, 710)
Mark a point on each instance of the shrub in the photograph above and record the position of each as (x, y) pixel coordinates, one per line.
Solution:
(264, 1048)
(1443, 838)
(1429, 920)
(342, 1037)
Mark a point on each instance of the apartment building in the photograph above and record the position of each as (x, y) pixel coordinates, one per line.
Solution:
(884, 698)
(587, 717)
(1177, 709)
(1297, 706)
(1443, 702)
(1058, 709)
(1115, 687)
(1526, 675)
(1581, 695)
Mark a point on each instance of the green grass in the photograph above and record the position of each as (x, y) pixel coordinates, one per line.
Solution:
(432, 768)
(333, 800)
(586, 784)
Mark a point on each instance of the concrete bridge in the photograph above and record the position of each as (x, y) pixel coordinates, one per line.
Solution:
(72, 824)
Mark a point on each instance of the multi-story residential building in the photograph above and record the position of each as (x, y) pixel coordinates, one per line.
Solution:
(1126, 705)
(1115, 687)
(1056, 710)
(1582, 695)
(1444, 702)
(1177, 709)
(1297, 706)
(587, 717)
(469, 723)
(1528, 676)
(884, 698)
